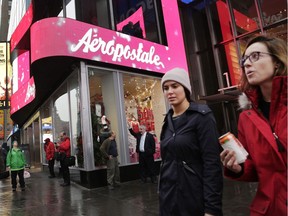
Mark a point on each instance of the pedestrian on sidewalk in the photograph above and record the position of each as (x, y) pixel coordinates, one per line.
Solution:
(191, 179)
(64, 149)
(49, 148)
(145, 148)
(262, 125)
(110, 152)
(16, 163)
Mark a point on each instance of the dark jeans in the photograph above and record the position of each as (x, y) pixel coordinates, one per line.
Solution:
(65, 171)
(51, 167)
(20, 174)
(147, 167)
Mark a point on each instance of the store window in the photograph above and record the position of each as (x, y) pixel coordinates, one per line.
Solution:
(61, 112)
(233, 73)
(104, 112)
(273, 11)
(76, 132)
(46, 127)
(279, 31)
(136, 18)
(245, 13)
(93, 12)
(222, 23)
(144, 105)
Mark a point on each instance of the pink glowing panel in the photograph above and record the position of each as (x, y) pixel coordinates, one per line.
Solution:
(21, 70)
(23, 96)
(67, 37)
(134, 18)
(22, 28)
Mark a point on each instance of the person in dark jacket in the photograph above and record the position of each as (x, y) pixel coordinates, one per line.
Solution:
(145, 147)
(49, 148)
(262, 125)
(191, 181)
(110, 152)
(4, 153)
(64, 149)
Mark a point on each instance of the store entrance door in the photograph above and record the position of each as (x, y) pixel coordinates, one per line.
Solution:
(31, 145)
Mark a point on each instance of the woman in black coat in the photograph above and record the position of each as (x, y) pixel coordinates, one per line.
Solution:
(191, 179)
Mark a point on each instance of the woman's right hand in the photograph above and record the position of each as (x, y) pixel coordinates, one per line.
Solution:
(228, 158)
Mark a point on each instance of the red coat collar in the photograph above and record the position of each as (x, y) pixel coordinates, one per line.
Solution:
(279, 93)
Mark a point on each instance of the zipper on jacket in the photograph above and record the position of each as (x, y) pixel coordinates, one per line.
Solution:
(188, 168)
(279, 144)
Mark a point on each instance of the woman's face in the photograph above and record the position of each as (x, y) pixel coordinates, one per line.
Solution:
(174, 92)
(15, 144)
(259, 72)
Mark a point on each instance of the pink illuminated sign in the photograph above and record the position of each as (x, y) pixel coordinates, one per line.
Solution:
(21, 70)
(23, 96)
(67, 37)
(22, 28)
(76, 39)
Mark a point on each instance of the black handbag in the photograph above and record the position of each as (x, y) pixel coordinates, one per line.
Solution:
(71, 161)
(57, 156)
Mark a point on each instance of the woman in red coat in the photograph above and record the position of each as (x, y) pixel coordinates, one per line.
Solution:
(49, 148)
(262, 126)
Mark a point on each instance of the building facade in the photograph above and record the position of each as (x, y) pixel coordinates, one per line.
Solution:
(81, 65)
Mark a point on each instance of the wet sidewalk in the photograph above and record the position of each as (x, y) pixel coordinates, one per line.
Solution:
(44, 196)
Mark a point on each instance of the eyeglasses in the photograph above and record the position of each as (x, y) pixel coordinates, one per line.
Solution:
(253, 57)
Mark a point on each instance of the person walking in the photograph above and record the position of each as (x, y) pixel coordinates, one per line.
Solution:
(110, 152)
(191, 180)
(16, 163)
(49, 148)
(64, 149)
(5, 151)
(145, 147)
(262, 125)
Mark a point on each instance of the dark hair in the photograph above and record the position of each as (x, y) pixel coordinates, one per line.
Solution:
(278, 50)
(187, 94)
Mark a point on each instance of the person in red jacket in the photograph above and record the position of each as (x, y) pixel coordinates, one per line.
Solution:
(262, 126)
(49, 148)
(64, 149)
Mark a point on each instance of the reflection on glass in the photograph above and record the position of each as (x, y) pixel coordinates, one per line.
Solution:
(273, 11)
(61, 112)
(245, 14)
(279, 31)
(144, 105)
(234, 69)
(223, 15)
(93, 12)
(97, 111)
(142, 25)
(46, 127)
(76, 134)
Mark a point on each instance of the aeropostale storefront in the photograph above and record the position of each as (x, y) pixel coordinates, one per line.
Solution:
(82, 76)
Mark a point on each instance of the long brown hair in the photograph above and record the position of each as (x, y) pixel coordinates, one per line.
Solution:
(278, 50)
